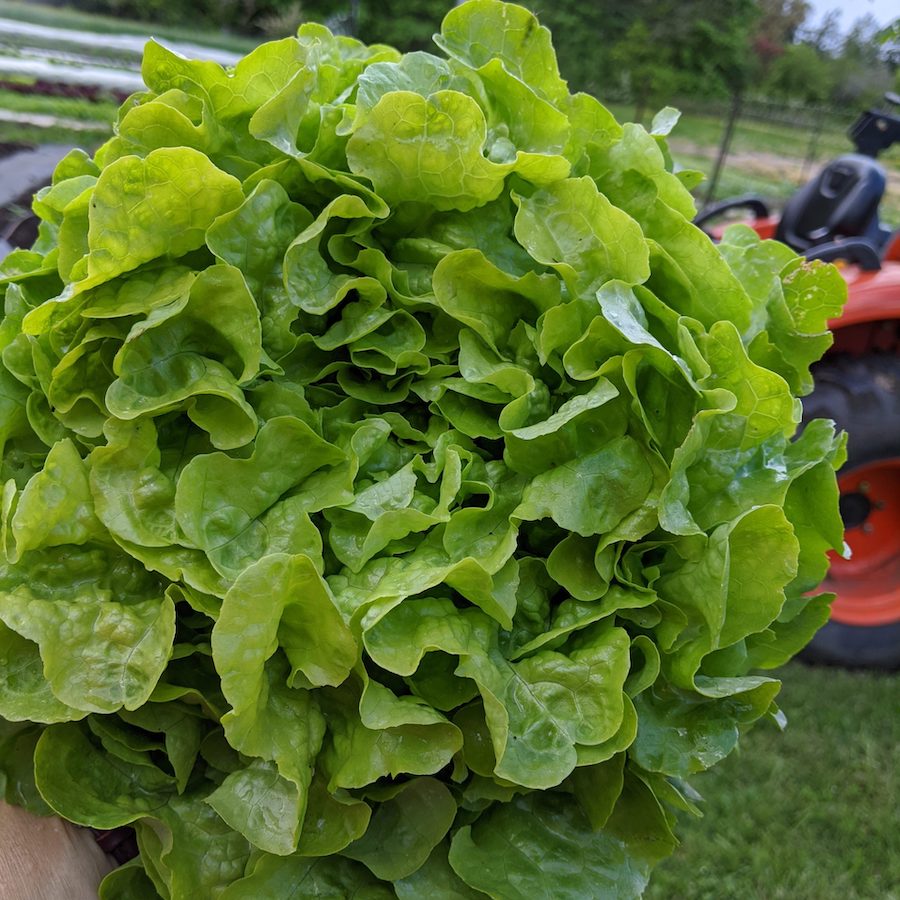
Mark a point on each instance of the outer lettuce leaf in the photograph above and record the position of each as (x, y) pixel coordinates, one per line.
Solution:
(394, 737)
(303, 617)
(593, 494)
(326, 877)
(409, 823)
(104, 645)
(517, 695)
(41, 519)
(128, 882)
(475, 34)
(549, 845)
(253, 238)
(177, 186)
(75, 779)
(696, 732)
(152, 378)
(721, 592)
(97, 657)
(262, 805)
(333, 821)
(435, 878)
(574, 228)
(232, 526)
(17, 742)
(188, 850)
(132, 496)
(25, 693)
(429, 149)
(273, 797)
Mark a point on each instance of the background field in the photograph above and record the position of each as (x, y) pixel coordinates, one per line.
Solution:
(774, 149)
(810, 814)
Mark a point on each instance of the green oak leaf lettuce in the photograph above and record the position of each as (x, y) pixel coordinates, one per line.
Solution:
(399, 493)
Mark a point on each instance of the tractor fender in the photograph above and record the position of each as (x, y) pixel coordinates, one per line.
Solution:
(872, 296)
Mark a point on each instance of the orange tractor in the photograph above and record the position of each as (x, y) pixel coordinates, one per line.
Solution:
(834, 217)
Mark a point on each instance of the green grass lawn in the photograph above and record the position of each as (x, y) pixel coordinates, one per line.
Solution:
(16, 133)
(102, 111)
(810, 814)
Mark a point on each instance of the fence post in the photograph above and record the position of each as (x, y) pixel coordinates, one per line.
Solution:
(813, 146)
(733, 116)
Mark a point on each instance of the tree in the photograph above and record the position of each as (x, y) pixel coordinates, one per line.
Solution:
(405, 24)
(862, 70)
(648, 73)
(890, 42)
(826, 36)
(801, 73)
(777, 26)
(585, 35)
(697, 47)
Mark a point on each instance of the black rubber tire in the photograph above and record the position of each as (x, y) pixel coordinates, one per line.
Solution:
(862, 395)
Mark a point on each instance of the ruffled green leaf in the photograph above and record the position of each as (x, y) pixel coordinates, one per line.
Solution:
(76, 780)
(325, 877)
(178, 187)
(405, 828)
(574, 228)
(101, 648)
(551, 847)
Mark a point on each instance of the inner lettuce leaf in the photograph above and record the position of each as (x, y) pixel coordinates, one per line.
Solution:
(399, 494)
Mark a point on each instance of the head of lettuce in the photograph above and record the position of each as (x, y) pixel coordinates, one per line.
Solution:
(398, 490)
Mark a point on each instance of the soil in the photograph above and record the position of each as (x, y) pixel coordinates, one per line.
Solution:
(766, 165)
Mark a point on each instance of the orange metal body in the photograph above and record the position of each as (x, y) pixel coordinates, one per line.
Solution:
(873, 296)
(866, 583)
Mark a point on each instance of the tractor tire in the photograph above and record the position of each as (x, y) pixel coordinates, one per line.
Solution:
(862, 395)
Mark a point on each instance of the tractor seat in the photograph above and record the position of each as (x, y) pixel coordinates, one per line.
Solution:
(840, 202)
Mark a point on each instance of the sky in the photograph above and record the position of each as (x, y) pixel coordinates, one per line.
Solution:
(885, 11)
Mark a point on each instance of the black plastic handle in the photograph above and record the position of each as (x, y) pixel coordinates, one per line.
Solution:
(854, 250)
(754, 203)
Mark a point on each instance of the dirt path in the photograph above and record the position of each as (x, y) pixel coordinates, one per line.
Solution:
(756, 162)
(27, 170)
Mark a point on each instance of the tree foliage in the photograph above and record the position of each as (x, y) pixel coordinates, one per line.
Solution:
(653, 51)
(817, 63)
(407, 24)
(777, 26)
(800, 72)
